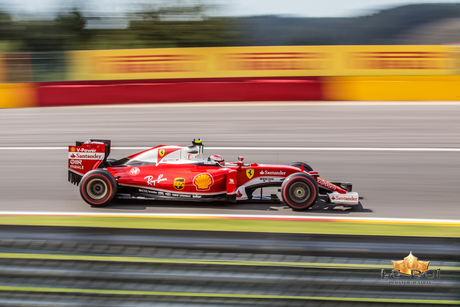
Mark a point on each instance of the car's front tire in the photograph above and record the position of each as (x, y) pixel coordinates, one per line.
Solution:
(98, 188)
(299, 191)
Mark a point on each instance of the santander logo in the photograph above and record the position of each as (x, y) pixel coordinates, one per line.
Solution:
(340, 197)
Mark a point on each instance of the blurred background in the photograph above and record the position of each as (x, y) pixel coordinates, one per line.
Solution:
(204, 41)
(36, 36)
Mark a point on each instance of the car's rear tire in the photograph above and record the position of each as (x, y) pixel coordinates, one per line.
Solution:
(306, 167)
(299, 191)
(98, 188)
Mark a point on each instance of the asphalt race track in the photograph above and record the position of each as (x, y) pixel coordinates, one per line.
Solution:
(402, 158)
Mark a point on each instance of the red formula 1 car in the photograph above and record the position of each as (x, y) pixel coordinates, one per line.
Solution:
(169, 172)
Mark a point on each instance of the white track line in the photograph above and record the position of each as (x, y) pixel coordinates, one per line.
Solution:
(333, 148)
(269, 148)
(436, 103)
(249, 216)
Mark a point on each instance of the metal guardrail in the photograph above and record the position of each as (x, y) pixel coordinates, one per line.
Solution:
(69, 266)
(35, 66)
(49, 66)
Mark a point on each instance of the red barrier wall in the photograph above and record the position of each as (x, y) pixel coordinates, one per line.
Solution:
(181, 90)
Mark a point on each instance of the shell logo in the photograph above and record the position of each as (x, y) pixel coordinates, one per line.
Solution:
(203, 182)
(72, 149)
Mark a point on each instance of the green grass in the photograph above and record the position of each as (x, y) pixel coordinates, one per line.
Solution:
(222, 224)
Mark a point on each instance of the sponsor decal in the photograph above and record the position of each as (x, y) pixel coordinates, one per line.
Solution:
(169, 160)
(203, 182)
(134, 171)
(142, 64)
(86, 156)
(72, 149)
(231, 181)
(326, 184)
(179, 183)
(148, 191)
(77, 167)
(160, 193)
(250, 173)
(344, 197)
(411, 268)
(263, 61)
(150, 180)
(85, 150)
(272, 173)
(267, 179)
(76, 164)
(164, 155)
(389, 60)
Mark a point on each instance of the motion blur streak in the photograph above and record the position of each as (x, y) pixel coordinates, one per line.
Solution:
(18, 95)
(402, 158)
(265, 148)
(394, 184)
(392, 88)
(124, 266)
(246, 216)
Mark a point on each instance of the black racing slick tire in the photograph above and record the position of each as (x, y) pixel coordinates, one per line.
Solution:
(98, 188)
(306, 167)
(299, 191)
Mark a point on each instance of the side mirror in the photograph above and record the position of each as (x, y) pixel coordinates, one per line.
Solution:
(241, 159)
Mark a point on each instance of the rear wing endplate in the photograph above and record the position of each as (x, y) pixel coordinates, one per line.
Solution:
(86, 156)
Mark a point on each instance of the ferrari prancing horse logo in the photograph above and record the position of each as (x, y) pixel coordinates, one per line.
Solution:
(161, 152)
(250, 173)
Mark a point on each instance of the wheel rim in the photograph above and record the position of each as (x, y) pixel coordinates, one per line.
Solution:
(300, 192)
(97, 188)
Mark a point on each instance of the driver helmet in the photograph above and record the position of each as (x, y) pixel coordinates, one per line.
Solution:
(217, 158)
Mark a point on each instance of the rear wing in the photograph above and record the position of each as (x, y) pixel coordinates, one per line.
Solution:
(86, 156)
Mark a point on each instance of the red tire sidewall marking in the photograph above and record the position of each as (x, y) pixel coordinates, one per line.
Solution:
(288, 184)
(85, 195)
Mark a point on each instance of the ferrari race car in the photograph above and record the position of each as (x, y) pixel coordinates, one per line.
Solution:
(170, 172)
